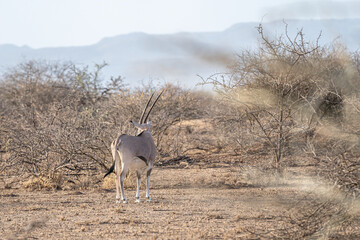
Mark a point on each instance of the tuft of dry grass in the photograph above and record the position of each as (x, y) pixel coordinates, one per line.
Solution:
(108, 183)
(43, 182)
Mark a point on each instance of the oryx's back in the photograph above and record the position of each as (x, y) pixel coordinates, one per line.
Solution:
(140, 146)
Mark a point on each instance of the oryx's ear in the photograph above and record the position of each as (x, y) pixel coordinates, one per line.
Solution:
(137, 125)
(141, 127)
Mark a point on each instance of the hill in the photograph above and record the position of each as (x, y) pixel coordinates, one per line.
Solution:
(182, 56)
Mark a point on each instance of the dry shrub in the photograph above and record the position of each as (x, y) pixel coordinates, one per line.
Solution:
(325, 212)
(336, 144)
(313, 220)
(339, 161)
(61, 118)
(332, 214)
(321, 219)
(108, 183)
(196, 136)
(292, 98)
(45, 182)
(50, 118)
(281, 95)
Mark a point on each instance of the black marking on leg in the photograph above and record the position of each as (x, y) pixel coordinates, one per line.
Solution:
(138, 174)
(144, 159)
(148, 172)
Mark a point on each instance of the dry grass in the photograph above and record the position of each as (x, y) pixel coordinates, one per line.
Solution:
(215, 197)
(215, 177)
(108, 183)
(42, 182)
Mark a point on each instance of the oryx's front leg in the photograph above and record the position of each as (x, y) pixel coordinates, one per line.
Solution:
(148, 198)
(138, 178)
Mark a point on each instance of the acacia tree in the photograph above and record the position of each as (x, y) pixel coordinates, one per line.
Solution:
(279, 88)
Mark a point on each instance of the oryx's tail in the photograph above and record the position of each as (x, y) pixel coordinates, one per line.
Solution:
(110, 170)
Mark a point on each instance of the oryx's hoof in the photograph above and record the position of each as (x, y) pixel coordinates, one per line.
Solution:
(121, 201)
(138, 200)
(148, 200)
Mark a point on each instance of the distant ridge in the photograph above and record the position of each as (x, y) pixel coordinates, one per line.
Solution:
(179, 57)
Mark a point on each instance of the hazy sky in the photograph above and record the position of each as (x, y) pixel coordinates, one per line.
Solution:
(50, 23)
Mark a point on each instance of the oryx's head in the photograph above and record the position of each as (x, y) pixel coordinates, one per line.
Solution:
(143, 125)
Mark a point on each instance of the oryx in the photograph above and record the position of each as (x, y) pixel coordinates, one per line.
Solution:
(134, 153)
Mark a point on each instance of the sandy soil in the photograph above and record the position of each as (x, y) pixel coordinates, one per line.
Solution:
(202, 200)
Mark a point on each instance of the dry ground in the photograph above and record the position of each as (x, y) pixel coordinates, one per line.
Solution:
(213, 199)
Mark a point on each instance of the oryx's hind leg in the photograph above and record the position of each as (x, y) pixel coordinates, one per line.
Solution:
(117, 183)
(148, 198)
(138, 182)
(124, 170)
(117, 169)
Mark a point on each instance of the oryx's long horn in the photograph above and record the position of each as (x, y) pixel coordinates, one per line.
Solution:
(152, 106)
(146, 106)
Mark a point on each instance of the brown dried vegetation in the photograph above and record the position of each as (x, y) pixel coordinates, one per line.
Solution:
(286, 117)
(298, 99)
